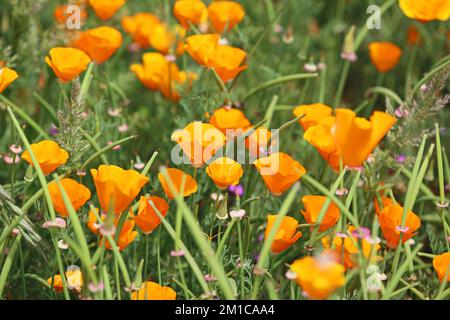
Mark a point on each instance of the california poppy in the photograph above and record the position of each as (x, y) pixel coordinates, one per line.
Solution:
(67, 63)
(357, 137)
(140, 27)
(224, 172)
(321, 138)
(426, 10)
(153, 291)
(74, 279)
(285, 236)
(126, 236)
(312, 114)
(279, 171)
(225, 60)
(156, 73)
(384, 55)
(117, 187)
(146, 219)
(164, 38)
(93, 224)
(7, 76)
(181, 182)
(385, 202)
(348, 246)
(99, 43)
(229, 119)
(48, 154)
(318, 276)
(105, 9)
(390, 219)
(224, 15)
(413, 36)
(190, 12)
(441, 264)
(199, 141)
(313, 206)
(77, 193)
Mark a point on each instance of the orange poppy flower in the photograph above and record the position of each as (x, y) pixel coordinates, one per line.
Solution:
(156, 73)
(92, 222)
(321, 138)
(117, 187)
(286, 235)
(140, 27)
(7, 76)
(105, 9)
(441, 264)
(126, 236)
(385, 202)
(318, 276)
(147, 220)
(99, 43)
(357, 137)
(199, 142)
(202, 47)
(349, 247)
(74, 279)
(190, 11)
(181, 182)
(426, 10)
(153, 291)
(229, 118)
(49, 155)
(77, 193)
(224, 15)
(225, 60)
(384, 55)
(61, 15)
(390, 219)
(279, 171)
(312, 114)
(259, 142)
(313, 205)
(163, 39)
(225, 172)
(67, 63)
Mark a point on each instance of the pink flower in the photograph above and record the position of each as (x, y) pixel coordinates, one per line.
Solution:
(237, 214)
(11, 160)
(57, 223)
(349, 56)
(96, 288)
(139, 165)
(175, 253)
(16, 149)
(209, 277)
(114, 112)
(123, 128)
(63, 245)
(402, 229)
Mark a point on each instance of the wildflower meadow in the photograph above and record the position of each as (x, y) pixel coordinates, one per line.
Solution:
(221, 150)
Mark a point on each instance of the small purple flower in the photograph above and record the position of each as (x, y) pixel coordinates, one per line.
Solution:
(237, 190)
(53, 130)
(400, 159)
(261, 238)
(401, 112)
(209, 278)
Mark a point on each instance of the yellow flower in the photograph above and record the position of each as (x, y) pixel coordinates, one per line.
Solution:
(199, 142)
(105, 9)
(224, 15)
(153, 291)
(318, 276)
(7, 76)
(279, 171)
(225, 172)
(147, 219)
(117, 187)
(140, 27)
(229, 118)
(67, 63)
(285, 236)
(426, 10)
(313, 206)
(78, 195)
(181, 182)
(190, 11)
(48, 154)
(312, 114)
(99, 43)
